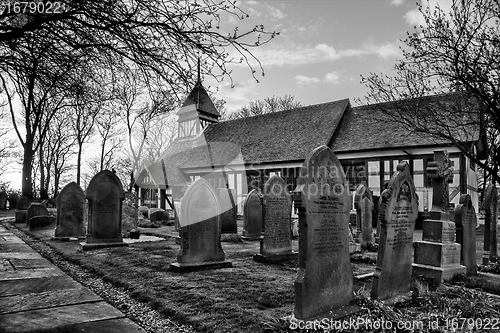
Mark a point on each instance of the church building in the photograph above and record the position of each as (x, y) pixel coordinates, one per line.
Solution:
(242, 154)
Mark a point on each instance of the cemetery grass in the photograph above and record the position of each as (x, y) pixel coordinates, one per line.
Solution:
(251, 297)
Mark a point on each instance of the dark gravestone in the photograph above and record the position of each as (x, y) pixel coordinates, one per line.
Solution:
(466, 220)
(277, 242)
(490, 206)
(129, 214)
(42, 222)
(22, 209)
(228, 217)
(159, 216)
(253, 215)
(437, 256)
(382, 208)
(323, 286)
(363, 203)
(36, 209)
(3, 200)
(70, 212)
(105, 195)
(200, 230)
(392, 275)
(13, 199)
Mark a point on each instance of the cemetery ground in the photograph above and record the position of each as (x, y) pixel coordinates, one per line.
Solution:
(251, 296)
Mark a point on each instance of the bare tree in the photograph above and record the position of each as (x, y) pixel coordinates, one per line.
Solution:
(266, 105)
(454, 56)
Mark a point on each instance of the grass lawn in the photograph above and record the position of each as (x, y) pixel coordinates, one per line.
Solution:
(252, 297)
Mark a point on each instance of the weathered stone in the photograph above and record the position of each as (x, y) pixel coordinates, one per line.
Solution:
(200, 230)
(105, 195)
(323, 286)
(228, 217)
(466, 221)
(276, 244)
(159, 216)
(23, 203)
(21, 216)
(438, 231)
(253, 215)
(490, 206)
(3, 200)
(394, 270)
(70, 212)
(363, 203)
(36, 209)
(42, 222)
(129, 213)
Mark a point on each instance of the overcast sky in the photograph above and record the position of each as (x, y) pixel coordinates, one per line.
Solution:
(323, 47)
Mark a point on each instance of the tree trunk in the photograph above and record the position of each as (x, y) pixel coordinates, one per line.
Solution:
(44, 194)
(79, 162)
(27, 189)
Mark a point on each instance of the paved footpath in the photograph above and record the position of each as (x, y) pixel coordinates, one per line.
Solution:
(35, 295)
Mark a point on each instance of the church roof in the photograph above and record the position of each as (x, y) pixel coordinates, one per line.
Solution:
(368, 127)
(198, 99)
(274, 137)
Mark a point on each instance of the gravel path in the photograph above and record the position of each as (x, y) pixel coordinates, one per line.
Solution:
(150, 319)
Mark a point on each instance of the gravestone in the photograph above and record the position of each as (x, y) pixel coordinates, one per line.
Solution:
(276, 245)
(200, 230)
(253, 215)
(3, 200)
(437, 256)
(42, 222)
(36, 209)
(129, 214)
(393, 272)
(363, 203)
(105, 195)
(466, 220)
(228, 217)
(13, 199)
(490, 206)
(382, 207)
(323, 286)
(22, 209)
(159, 216)
(70, 212)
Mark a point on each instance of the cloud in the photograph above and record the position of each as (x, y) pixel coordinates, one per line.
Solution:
(415, 18)
(333, 77)
(397, 2)
(386, 50)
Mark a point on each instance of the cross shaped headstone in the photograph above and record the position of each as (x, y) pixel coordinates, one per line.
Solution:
(441, 171)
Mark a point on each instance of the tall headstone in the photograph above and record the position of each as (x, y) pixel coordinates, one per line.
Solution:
(466, 220)
(276, 245)
(105, 195)
(253, 215)
(490, 205)
(3, 200)
(323, 286)
(200, 230)
(363, 203)
(228, 216)
(70, 212)
(13, 199)
(22, 209)
(437, 256)
(393, 272)
(382, 207)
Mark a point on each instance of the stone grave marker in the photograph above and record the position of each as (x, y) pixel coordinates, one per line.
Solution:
(490, 206)
(36, 209)
(129, 214)
(438, 256)
(42, 222)
(253, 215)
(466, 221)
(159, 216)
(13, 199)
(393, 272)
(22, 209)
(70, 212)
(324, 282)
(276, 245)
(228, 217)
(105, 195)
(200, 230)
(3, 200)
(363, 203)
(382, 207)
